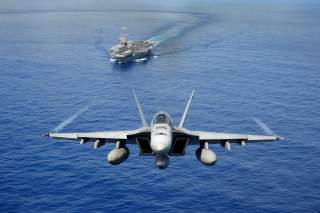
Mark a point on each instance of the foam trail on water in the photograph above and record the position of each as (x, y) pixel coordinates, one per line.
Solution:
(263, 126)
(176, 30)
(71, 119)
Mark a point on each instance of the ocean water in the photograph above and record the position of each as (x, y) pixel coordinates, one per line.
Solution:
(245, 59)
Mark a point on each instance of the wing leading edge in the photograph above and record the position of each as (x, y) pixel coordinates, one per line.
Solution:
(111, 136)
(218, 137)
(211, 137)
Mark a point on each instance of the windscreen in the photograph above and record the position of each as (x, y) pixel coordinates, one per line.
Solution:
(161, 119)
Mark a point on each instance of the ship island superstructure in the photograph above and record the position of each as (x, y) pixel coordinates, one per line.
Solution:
(128, 50)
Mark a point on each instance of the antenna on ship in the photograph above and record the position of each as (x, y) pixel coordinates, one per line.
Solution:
(123, 37)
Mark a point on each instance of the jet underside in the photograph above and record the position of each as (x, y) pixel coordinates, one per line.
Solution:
(162, 139)
(178, 148)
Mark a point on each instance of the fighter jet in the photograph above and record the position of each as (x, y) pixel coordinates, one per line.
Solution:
(162, 139)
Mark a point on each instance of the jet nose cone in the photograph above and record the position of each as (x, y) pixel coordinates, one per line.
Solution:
(159, 148)
(160, 144)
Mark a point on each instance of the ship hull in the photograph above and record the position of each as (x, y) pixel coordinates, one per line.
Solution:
(132, 57)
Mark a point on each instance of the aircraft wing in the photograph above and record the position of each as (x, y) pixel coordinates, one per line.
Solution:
(109, 136)
(218, 137)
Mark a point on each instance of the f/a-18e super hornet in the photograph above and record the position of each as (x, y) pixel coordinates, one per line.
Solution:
(162, 139)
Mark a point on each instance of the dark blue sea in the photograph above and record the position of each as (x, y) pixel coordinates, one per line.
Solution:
(244, 58)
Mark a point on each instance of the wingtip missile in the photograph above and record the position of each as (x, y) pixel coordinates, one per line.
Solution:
(267, 129)
(46, 134)
(280, 138)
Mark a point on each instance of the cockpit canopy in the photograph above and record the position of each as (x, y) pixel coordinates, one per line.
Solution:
(161, 118)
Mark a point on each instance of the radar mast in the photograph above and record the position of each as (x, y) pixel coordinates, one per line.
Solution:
(123, 37)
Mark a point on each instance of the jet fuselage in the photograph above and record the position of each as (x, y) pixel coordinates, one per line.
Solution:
(161, 133)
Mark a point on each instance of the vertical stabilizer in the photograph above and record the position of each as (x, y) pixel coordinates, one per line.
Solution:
(143, 119)
(185, 113)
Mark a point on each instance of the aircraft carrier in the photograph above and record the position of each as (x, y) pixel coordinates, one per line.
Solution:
(130, 50)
